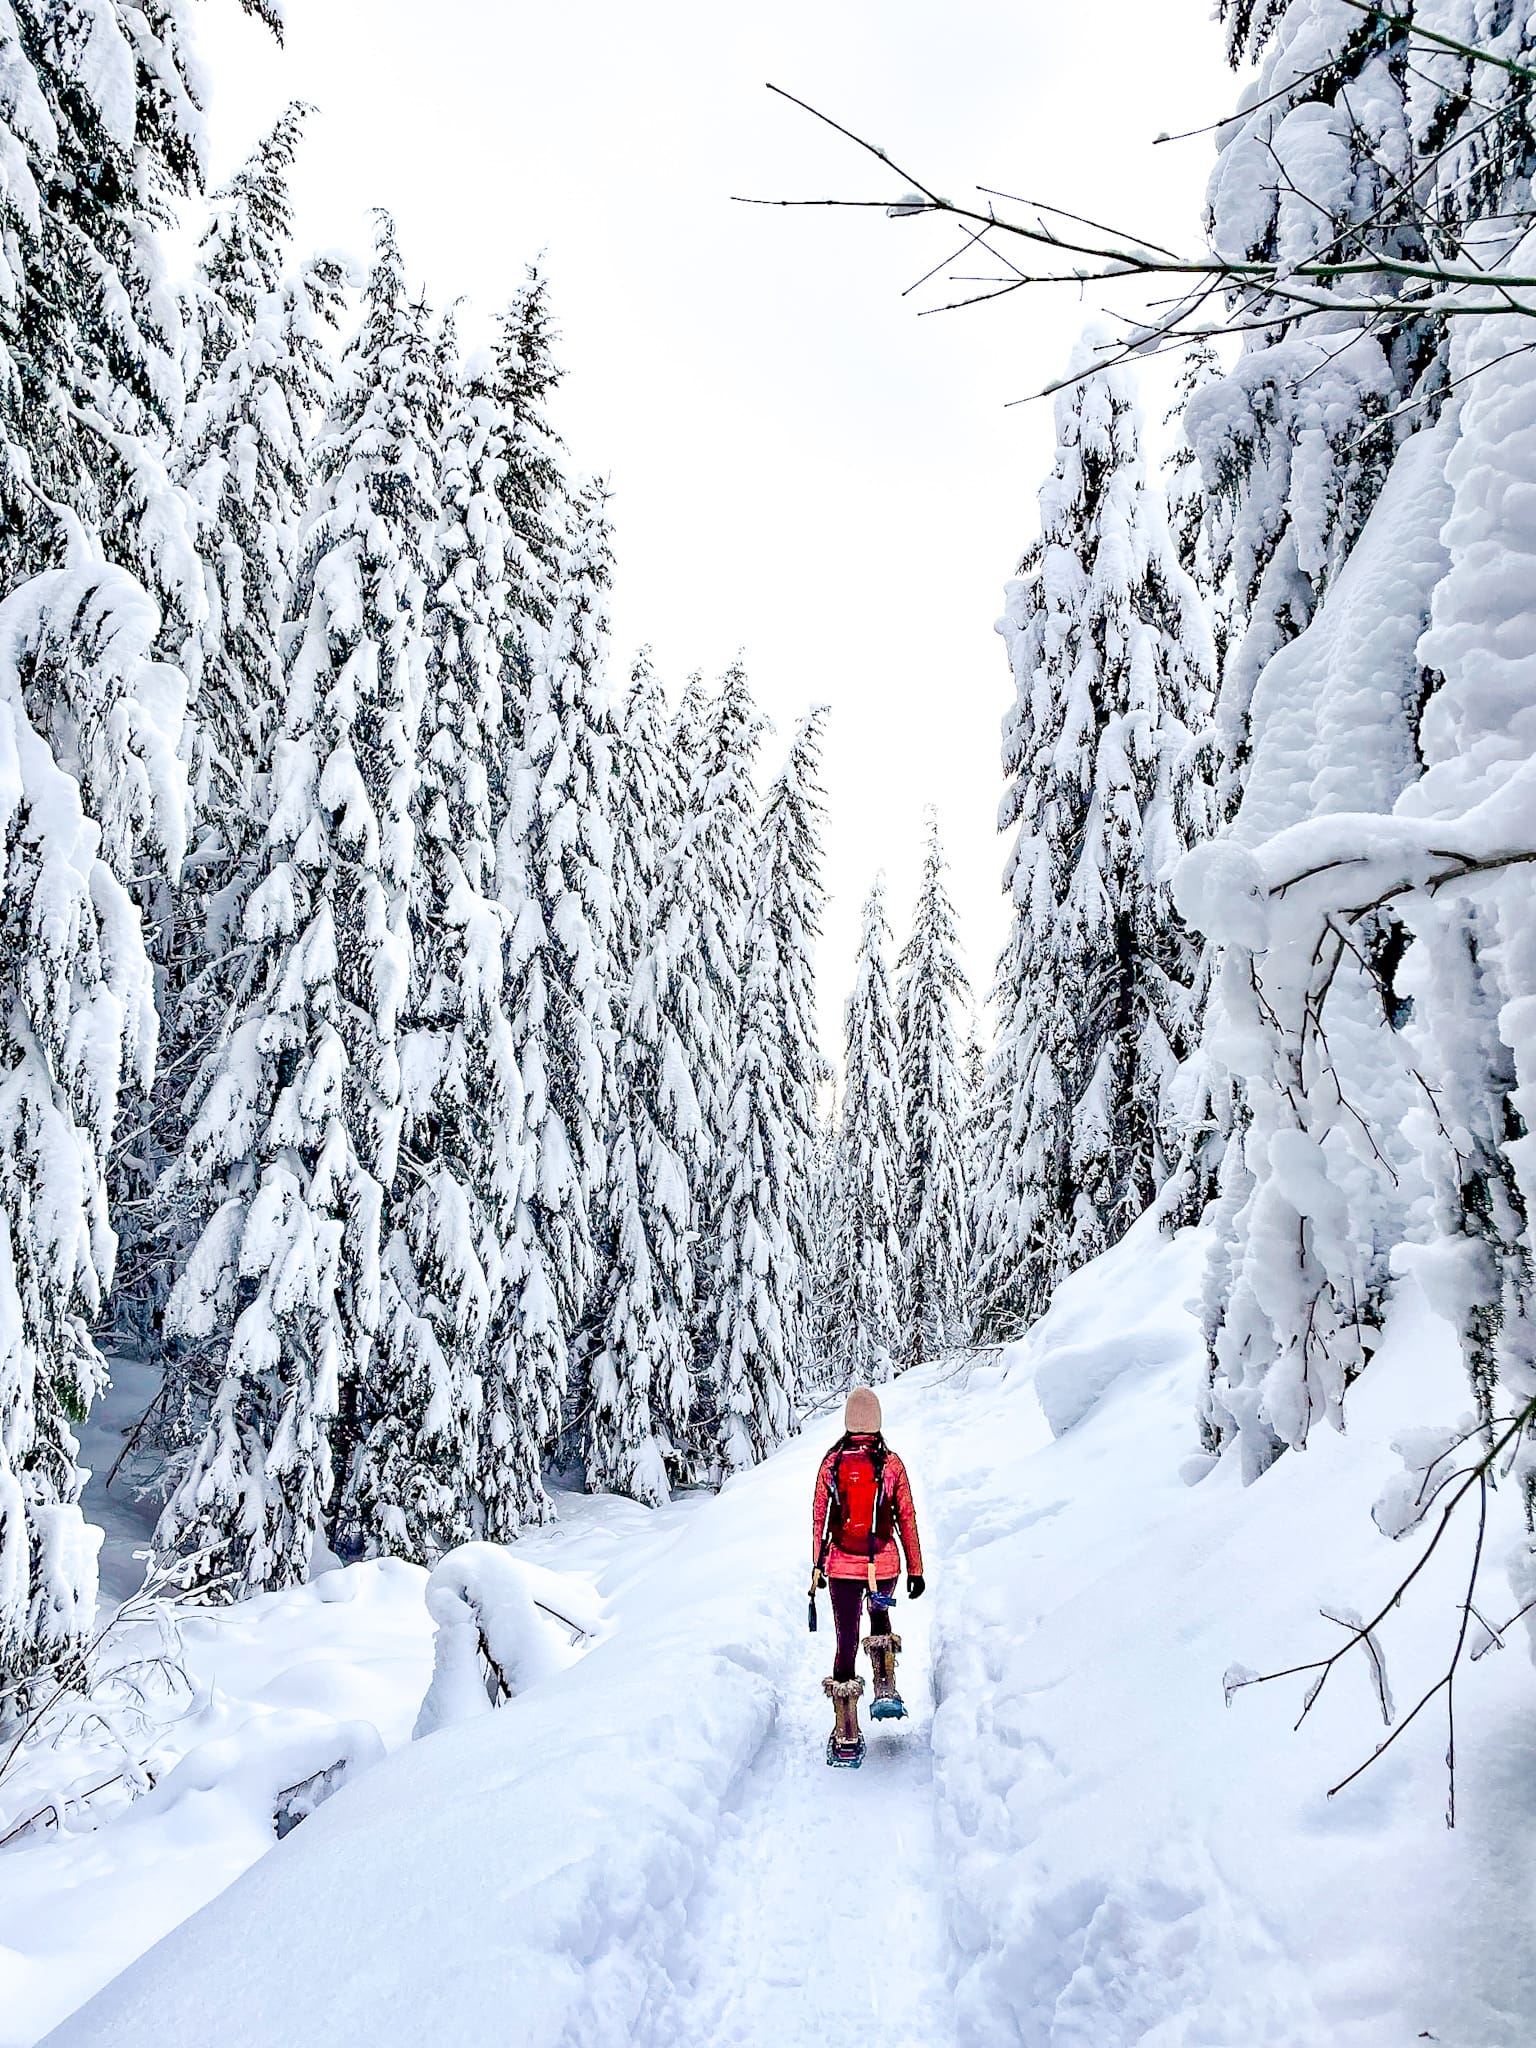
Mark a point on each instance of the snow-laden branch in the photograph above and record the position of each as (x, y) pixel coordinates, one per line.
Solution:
(1500, 1440)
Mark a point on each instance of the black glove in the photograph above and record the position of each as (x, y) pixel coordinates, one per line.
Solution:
(915, 1584)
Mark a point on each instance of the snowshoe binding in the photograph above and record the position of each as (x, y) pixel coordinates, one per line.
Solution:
(845, 1745)
(882, 1652)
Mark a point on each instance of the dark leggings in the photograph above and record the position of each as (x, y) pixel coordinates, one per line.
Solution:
(847, 1604)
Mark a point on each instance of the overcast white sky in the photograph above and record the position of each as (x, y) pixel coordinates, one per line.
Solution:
(802, 467)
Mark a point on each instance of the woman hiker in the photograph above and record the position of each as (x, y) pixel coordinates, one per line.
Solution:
(863, 1502)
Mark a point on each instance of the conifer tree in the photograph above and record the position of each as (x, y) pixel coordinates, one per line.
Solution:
(616, 1446)
(77, 1020)
(722, 824)
(762, 1318)
(260, 379)
(460, 1165)
(935, 1222)
(1295, 441)
(686, 737)
(100, 137)
(298, 1113)
(103, 138)
(648, 815)
(1327, 425)
(792, 841)
(870, 1166)
(555, 865)
(532, 485)
(1096, 990)
(653, 1407)
(823, 1343)
(638, 1342)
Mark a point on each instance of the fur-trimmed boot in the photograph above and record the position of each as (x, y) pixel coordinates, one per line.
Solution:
(882, 1652)
(845, 1745)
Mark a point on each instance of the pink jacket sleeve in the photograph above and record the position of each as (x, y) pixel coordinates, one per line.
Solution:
(906, 1519)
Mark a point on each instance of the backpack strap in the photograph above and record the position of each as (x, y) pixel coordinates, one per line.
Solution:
(877, 1459)
(834, 1498)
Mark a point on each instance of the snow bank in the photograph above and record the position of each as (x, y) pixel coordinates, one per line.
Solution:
(290, 1694)
(536, 1860)
(1078, 1352)
(1127, 1861)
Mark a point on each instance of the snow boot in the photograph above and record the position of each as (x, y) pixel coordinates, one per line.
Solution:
(882, 1652)
(845, 1745)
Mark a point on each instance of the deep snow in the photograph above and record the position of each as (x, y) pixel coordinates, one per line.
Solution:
(1082, 1848)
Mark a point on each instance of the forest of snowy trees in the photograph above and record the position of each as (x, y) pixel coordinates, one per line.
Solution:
(409, 1028)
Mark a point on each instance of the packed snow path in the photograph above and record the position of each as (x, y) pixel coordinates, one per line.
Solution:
(820, 1918)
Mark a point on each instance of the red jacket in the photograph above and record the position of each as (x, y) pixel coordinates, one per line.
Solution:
(895, 1487)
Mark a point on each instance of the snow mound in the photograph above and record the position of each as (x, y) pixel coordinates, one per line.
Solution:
(495, 1635)
(1079, 1351)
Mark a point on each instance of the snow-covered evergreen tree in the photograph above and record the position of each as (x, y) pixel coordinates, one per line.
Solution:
(299, 1112)
(461, 1162)
(792, 822)
(762, 1290)
(638, 1343)
(616, 1446)
(77, 1022)
(871, 1165)
(101, 135)
(686, 736)
(260, 379)
(1295, 440)
(555, 862)
(532, 485)
(722, 821)
(647, 817)
(1097, 988)
(825, 1344)
(935, 1210)
(652, 1409)
(1325, 453)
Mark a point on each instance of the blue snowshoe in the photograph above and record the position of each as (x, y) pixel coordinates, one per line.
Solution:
(882, 1652)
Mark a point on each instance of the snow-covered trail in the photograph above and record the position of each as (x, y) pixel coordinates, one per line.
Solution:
(820, 1918)
(1073, 1843)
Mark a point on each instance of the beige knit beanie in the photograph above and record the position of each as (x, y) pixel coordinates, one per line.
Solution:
(861, 1417)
